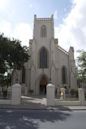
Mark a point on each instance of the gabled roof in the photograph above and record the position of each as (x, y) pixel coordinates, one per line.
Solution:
(61, 49)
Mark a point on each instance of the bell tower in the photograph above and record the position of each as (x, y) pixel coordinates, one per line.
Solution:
(43, 27)
(43, 41)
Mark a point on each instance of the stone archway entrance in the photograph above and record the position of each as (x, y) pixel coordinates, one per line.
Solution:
(42, 85)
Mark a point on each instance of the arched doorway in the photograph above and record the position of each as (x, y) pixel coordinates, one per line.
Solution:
(42, 86)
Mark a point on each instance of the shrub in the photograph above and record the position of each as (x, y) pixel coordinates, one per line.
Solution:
(31, 91)
(74, 93)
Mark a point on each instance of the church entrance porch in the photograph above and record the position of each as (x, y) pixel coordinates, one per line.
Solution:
(42, 85)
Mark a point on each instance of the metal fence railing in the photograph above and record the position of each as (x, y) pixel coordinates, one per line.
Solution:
(5, 94)
(69, 95)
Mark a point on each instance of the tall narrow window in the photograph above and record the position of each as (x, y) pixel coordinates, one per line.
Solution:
(43, 32)
(43, 58)
(23, 74)
(64, 75)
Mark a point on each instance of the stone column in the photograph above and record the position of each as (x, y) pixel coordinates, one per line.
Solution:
(50, 94)
(62, 96)
(16, 94)
(81, 96)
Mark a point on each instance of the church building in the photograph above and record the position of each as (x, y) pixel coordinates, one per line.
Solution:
(48, 61)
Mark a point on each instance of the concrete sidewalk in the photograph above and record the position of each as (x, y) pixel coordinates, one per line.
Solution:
(77, 107)
(39, 103)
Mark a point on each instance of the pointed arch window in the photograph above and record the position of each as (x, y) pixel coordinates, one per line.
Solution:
(43, 58)
(64, 75)
(43, 32)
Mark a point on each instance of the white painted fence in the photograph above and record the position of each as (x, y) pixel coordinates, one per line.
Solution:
(66, 103)
(62, 101)
(51, 101)
(16, 96)
(50, 94)
(4, 101)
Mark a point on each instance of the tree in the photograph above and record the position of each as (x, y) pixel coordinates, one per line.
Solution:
(82, 66)
(12, 56)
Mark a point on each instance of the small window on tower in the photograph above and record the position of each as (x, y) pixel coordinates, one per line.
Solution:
(43, 32)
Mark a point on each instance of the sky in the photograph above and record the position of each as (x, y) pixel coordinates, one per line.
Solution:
(16, 20)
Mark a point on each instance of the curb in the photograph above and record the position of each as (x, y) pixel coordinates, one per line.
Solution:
(63, 108)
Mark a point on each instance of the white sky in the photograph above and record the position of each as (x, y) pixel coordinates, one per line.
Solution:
(71, 32)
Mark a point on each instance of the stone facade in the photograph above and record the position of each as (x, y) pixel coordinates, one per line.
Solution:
(48, 61)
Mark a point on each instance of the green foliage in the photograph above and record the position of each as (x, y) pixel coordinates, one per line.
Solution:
(82, 66)
(12, 56)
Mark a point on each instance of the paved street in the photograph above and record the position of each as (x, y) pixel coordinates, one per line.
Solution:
(42, 119)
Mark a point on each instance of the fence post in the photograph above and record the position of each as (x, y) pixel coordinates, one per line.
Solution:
(50, 94)
(81, 96)
(16, 94)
